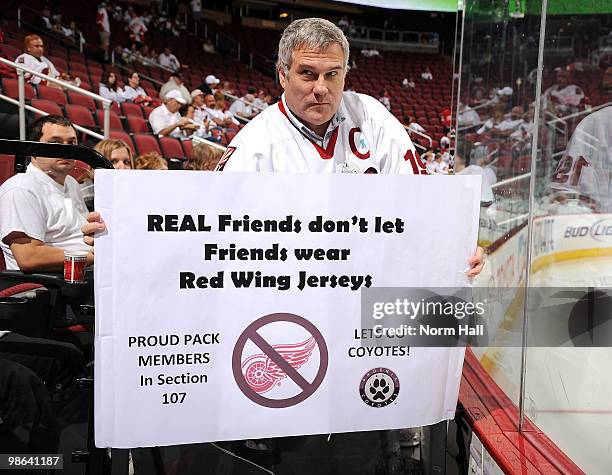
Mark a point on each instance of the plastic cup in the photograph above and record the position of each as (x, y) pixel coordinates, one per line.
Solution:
(74, 266)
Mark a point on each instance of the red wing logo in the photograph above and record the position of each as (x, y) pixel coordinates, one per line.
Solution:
(261, 373)
(224, 158)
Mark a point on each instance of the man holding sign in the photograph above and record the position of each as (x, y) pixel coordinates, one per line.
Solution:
(316, 127)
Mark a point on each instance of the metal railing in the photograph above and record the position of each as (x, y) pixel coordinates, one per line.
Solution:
(21, 70)
(420, 134)
(203, 141)
(138, 59)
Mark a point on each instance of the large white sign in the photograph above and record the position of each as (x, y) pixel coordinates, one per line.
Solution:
(228, 304)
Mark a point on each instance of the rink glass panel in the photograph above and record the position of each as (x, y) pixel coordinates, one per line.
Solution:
(499, 49)
(567, 390)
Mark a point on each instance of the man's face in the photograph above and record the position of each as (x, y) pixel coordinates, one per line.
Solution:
(210, 101)
(36, 48)
(198, 100)
(56, 167)
(173, 105)
(516, 112)
(563, 77)
(314, 83)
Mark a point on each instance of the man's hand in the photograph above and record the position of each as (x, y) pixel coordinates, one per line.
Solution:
(476, 263)
(95, 224)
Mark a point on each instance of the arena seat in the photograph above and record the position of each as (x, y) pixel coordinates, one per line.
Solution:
(52, 94)
(10, 51)
(81, 100)
(11, 89)
(118, 134)
(171, 147)
(47, 106)
(115, 120)
(137, 125)
(146, 143)
(131, 109)
(187, 148)
(80, 115)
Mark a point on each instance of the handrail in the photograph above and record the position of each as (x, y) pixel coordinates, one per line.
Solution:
(132, 55)
(140, 75)
(577, 114)
(208, 142)
(427, 137)
(106, 103)
(236, 98)
(41, 112)
(511, 180)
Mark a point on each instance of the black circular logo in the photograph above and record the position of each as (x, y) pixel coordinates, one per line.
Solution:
(379, 387)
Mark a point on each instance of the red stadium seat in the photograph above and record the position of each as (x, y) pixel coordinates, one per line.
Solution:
(137, 125)
(146, 143)
(80, 115)
(78, 69)
(115, 120)
(11, 89)
(52, 94)
(47, 106)
(188, 148)
(9, 51)
(147, 111)
(131, 109)
(6, 167)
(118, 134)
(171, 147)
(81, 100)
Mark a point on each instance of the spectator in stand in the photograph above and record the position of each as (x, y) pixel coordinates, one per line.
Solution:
(150, 161)
(211, 83)
(208, 47)
(165, 120)
(34, 59)
(175, 83)
(196, 10)
(168, 60)
(563, 97)
(440, 166)
(385, 100)
(410, 124)
(467, 116)
(42, 210)
(370, 53)
(227, 88)
(43, 22)
(243, 108)
(261, 101)
(109, 89)
(103, 24)
(199, 109)
(133, 92)
(429, 157)
(204, 157)
(194, 127)
(117, 152)
(216, 112)
(408, 83)
(137, 29)
(74, 34)
(343, 24)
(427, 75)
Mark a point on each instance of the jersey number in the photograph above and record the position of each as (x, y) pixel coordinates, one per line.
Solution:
(418, 167)
(569, 173)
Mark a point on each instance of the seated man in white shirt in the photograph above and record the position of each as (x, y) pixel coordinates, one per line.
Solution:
(34, 58)
(42, 210)
(165, 120)
(168, 60)
(243, 109)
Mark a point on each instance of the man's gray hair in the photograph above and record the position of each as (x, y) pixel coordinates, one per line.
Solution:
(315, 33)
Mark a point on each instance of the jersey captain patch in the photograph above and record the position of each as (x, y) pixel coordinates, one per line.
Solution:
(358, 144)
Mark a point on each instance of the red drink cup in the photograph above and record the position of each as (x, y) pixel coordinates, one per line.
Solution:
(74, 266)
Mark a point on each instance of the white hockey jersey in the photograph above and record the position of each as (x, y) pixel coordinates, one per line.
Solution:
(42, 65)
(586, 166)
(363, 137)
